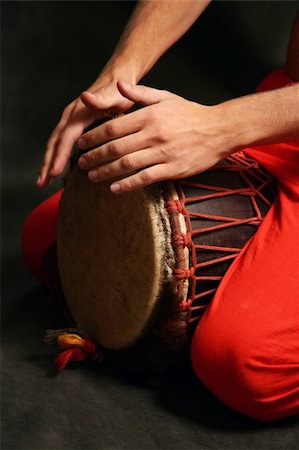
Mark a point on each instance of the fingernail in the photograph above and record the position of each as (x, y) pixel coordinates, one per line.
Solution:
(93, 175)
(83, 163)
(81, 143)
(115, 187)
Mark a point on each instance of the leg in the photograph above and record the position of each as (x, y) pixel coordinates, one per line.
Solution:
(39, 235)
(246, 346)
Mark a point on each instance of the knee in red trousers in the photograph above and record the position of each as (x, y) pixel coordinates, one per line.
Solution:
(39, 235)
(232, 364)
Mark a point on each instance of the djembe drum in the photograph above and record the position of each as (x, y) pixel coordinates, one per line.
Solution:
(138, 270)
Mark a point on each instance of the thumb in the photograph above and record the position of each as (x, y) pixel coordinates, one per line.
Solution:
(141, 94)
(92, 101)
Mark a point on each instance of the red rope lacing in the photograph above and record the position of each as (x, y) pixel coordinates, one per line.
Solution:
(244, 166)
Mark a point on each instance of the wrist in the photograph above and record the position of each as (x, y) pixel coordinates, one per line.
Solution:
(240, 124)
(229, 127)
(263, 118)
(118, 69)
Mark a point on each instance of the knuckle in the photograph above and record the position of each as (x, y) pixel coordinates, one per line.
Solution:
(114, 149)
(60, 126)
(111, 129)
(152, 114)
(55, 171)
(92, 157)
(89, 140)
(127, 162)
(146, 177)
(130, 185)
(161, 132)
(163, 153)
(105, 171)
(66, 110)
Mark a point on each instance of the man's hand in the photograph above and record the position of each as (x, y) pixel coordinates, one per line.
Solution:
(104, 100)
(169, 138)
(175, 138)
(151, 30)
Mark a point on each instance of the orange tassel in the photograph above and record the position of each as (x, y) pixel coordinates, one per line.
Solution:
(70, 340)
(76, 347)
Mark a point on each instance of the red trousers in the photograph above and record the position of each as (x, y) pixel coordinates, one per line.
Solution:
(246, 346)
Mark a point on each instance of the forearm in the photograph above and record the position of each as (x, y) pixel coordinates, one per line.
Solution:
(154, 27)
(263, 118)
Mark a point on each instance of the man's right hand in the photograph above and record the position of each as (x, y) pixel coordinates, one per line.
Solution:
(103, 100)
(152, 29)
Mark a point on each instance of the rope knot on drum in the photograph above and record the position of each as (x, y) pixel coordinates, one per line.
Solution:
(184, 273)
(182, 239)
(175, 205)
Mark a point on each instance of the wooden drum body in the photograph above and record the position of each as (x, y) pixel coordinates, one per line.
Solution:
(139, 269)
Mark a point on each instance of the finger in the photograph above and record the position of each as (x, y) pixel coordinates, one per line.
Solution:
(44, 177)
(103, 107)
(114, 149)
(80, 119)
(90, 100)
(142, 94)
(141, 179)
(64, 148)
(113, 129)
(68, 111)
(125, 165)
(94, 101)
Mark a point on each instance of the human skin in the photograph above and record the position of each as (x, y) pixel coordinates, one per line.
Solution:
(152, 29)
(170, 137)
(174, 138)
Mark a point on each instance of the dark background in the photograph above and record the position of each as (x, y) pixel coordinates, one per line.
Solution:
(51, 51)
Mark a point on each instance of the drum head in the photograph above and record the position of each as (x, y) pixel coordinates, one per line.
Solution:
(112, 269)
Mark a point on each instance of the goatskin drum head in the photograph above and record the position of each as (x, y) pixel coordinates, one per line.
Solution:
(114, 256)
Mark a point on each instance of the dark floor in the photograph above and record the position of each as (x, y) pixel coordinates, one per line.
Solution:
(50, 52)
